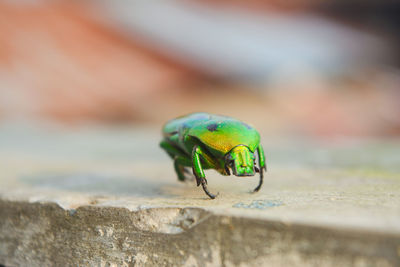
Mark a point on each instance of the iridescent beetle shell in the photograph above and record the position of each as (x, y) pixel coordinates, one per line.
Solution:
(207, 141)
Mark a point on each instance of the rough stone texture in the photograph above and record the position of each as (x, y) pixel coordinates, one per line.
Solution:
(99, 197)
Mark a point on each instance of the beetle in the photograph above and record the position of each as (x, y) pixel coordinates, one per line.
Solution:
(206, 141)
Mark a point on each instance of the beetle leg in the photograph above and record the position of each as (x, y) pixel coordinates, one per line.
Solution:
(179, 168)
(180, 158)
(228, 172)
(261, 180)
(261, 162)
(204, 185)
(172, 150)
(198, 170)
(179, 165)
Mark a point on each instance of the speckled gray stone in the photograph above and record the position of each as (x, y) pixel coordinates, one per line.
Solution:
(101, 197)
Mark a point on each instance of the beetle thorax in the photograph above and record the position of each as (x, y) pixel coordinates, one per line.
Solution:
(241, 160)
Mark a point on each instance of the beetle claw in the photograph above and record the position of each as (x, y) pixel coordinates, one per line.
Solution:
(260, 182)
(204, 185)
(198, 181)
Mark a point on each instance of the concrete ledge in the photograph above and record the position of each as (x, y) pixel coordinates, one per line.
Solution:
(110, 197)
(43, 234)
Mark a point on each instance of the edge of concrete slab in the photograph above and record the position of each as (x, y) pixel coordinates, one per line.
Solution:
(44, 234)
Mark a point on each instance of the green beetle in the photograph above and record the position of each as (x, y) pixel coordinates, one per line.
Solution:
(207, 141)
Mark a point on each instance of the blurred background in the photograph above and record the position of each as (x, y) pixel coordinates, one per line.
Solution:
(307, 68)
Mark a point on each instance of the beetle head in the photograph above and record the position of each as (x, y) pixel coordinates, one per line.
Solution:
(241, 160)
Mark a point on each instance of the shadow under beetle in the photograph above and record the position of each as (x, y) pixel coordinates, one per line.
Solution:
(207, 141)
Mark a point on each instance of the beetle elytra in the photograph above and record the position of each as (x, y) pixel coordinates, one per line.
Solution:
(206, 141)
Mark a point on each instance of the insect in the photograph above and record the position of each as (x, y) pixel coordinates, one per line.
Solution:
(206, 141)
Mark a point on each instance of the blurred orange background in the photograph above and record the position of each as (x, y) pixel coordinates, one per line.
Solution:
(307, 68)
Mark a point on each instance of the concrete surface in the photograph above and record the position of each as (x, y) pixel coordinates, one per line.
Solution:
(101, 197)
